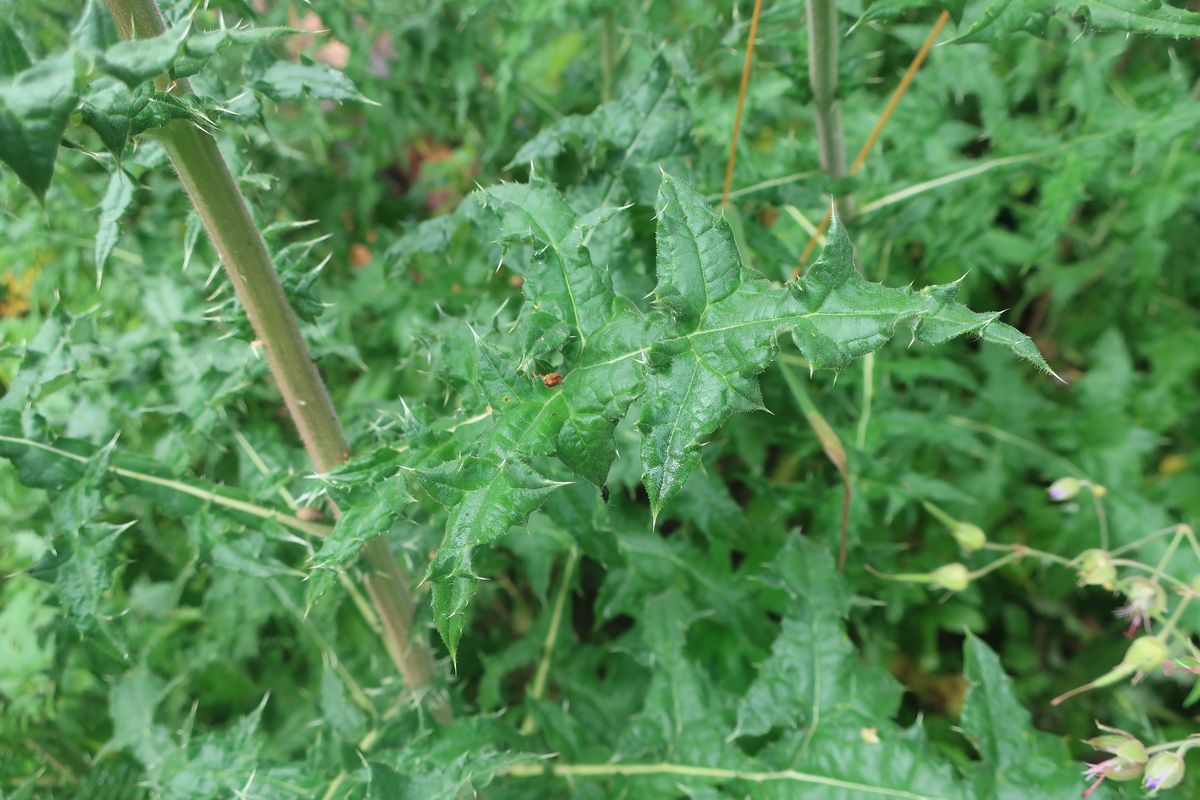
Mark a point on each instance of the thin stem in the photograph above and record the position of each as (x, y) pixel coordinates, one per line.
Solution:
(880, 124)
(1101, 516)
(356, 692)
(538, 689)
(804, 222)
(901, 88)
(831, 444)
(1125, 562)
(939, 513)
(222, 208)
(607, 55)
(741, 102)
(1189, 742)
(1175, 615)
(304, 526)
(1125, 548)
(868, 394)
(1171, 548)
(1015, 555)
(713, 773)
(1028, 552)
(770, 183)
(1010, 438)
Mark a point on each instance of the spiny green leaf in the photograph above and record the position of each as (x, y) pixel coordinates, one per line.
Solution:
(813, 665)
(109, 108)
(369, 510)
(647, 124)
(209, 43)
(288, 80)
(727, 317)
(117, 199)
(723, 323)
(1147, 17)
(680, 713)
(95, 31)
(566, 286)
(1003, 17)
(139, 60)
(35, 107)
(13, 58)
(886, 9)
(81, 563)
(486, 498)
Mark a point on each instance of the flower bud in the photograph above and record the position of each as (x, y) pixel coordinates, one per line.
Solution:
(955, 577)
(1128, 750)
(1163, 771)
(1147, 599)
(969, 537)
(1096, 568)
(1147, 653)
(1064, 489)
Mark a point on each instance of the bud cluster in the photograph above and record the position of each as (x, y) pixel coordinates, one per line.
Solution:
(1160, 767)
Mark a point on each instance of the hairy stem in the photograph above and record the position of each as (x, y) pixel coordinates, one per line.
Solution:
(880, 124)
(823, 38)
(218, 200)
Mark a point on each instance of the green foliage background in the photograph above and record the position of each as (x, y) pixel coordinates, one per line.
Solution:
(153, 645)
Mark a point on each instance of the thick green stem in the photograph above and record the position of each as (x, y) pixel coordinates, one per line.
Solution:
(218, 200)
(823, 38)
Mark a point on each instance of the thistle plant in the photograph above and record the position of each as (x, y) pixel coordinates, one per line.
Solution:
(421, 400)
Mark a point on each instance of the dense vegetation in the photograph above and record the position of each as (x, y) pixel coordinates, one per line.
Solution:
(645, 496)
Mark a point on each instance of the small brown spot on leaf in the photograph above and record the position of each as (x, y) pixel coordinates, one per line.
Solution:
(552, 379)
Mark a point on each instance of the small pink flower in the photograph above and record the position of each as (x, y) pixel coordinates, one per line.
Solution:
(1128, 758)
(1099, 770)
(1146, 599)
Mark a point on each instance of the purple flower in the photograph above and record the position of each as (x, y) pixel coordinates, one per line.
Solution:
(1064, 489)
(1163, 771)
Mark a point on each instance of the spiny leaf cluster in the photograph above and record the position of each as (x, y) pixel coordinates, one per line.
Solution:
(111, 84)
(691, 360)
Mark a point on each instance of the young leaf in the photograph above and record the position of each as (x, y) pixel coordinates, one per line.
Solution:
(81, 563)
(139, 60)
(35, 107)
(117, 199)
(109, 108)
(645, 125)
(1139, 16)
(486, 498)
